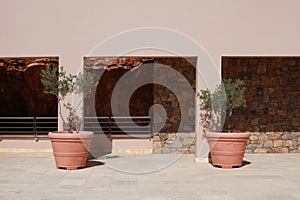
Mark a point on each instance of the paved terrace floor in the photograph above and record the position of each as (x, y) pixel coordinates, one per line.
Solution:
(34, 176)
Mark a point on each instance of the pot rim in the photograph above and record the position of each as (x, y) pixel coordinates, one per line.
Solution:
(66, 134)
(228, 135)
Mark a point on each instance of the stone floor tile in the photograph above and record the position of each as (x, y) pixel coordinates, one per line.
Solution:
(34, 175)
(71, 182)
(280, 197)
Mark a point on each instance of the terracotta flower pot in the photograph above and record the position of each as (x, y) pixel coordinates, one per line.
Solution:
(70, 150)
(227, 149)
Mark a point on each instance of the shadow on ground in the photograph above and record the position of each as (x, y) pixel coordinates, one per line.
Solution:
(244, 163)
(93, 163)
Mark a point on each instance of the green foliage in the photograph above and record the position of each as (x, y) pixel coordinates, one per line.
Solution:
(205, 107)
(49, 80)
(205, 99)
(83, 83)
(235, 93)
(221, 102)
(59, 83)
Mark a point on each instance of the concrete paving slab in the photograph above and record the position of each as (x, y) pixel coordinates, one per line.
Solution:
(34, 176)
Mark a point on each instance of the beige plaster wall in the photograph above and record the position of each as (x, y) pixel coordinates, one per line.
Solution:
(71, 29)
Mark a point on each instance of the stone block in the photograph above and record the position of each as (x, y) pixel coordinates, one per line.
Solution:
(277, 143)
(297, 112)
(275, 150)
(188, 141)
(172, 97)
(263, 138)
(251, 146)
(249, 151)
(261, 69)
(156, 100)
(295, 143)
(284, 150)
(274, 136)
(192, 149)
(295, 134)
(183, 150)
(287, 143)
(174, 120)
(295, 123)
(272, 111)
(268, 143)
(157, 146)
(167, 150)
(156, 138)
(175, 104)
(177, 144)
(279, 132)
(265, 82)
(253, 61)
(287, 136)
(171, 136)
(281, 112)
(255, 122)
(169, 142)
(164, 98)
(253, 137)
(261, 150)
(167, 125)
(270, 127)
(163, 136)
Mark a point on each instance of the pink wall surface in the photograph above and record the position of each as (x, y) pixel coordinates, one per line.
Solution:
(71, 29)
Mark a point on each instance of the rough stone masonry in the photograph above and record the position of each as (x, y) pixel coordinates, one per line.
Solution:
(272, 114)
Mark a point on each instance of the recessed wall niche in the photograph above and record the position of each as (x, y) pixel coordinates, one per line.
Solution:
(21, 90)
(109, 70)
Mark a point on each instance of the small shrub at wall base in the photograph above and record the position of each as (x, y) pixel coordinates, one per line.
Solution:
(226, 149)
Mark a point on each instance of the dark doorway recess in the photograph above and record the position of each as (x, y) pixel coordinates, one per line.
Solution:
(25, 110)
(131, 71)
(21, 90)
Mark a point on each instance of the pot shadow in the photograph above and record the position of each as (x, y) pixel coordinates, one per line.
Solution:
(109, 157)
(89, 163)
(93, 163)
(244, 163)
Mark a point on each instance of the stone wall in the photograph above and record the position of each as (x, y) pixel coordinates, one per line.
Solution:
(272, 114)
(179, 108)
(274, 142)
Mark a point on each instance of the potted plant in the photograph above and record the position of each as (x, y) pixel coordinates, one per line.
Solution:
(70, 146)
(226, 148)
